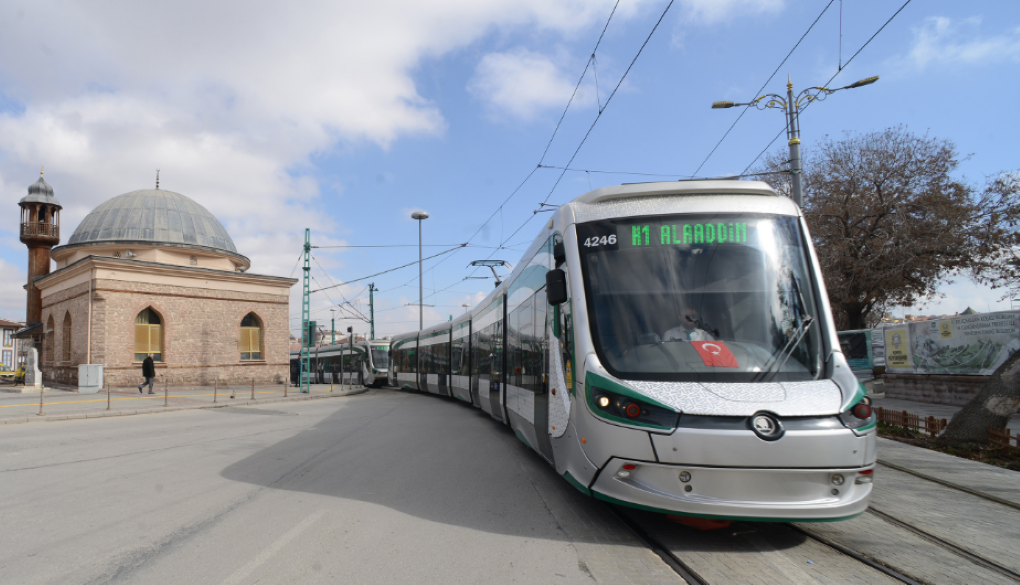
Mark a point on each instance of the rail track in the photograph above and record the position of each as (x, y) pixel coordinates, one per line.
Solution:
(686, 569)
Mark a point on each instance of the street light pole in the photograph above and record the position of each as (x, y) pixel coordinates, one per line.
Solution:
(332, 314)
(792, 107)
(420, 215)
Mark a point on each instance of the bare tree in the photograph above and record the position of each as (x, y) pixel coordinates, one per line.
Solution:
(890, 223)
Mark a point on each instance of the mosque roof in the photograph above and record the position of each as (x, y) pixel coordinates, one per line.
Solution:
(153, 216)
(40, 192)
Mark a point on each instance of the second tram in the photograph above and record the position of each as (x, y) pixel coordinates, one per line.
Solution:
(366, 363)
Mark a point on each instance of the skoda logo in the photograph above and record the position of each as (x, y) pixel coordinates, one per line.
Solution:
(766, 426)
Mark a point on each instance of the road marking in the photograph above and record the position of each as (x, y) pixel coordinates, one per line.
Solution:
(240, 574)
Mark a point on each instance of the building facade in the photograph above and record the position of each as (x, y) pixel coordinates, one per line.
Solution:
(10, 355)
(153, 272)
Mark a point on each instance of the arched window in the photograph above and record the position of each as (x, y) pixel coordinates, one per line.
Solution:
(148, 336)
(66, 353)
(251, 338)
(48, 335)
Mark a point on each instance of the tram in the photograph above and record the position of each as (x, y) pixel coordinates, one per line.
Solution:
(670, 347)
(366, 363)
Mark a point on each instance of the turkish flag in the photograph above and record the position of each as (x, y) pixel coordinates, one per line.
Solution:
(715, 353)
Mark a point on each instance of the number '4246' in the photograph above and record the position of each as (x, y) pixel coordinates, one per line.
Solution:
(595, 241)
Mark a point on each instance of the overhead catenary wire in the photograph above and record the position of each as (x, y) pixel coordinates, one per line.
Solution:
(386, 271)
(603, 108)
(858, 52)
(762, 88)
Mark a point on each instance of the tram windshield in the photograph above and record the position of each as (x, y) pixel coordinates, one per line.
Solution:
(381, 356)
(712, 298)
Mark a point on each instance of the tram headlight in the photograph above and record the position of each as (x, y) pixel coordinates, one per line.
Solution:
(631, 411)
(859, 418)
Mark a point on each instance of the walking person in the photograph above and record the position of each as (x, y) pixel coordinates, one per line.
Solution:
(149, 373)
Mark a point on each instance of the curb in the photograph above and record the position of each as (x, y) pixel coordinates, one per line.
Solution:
(161, 409)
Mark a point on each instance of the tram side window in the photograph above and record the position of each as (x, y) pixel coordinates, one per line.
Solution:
(480, 352)
(538, 343)
(405, 359)
(436, 358)
(513, 346)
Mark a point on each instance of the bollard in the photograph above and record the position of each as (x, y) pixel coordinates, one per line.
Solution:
(166, 392)
(253, 388)
(214, 388)
(41, 390)
(107, 396)
(285, 388)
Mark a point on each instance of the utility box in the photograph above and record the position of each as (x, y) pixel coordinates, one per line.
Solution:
(90, 378)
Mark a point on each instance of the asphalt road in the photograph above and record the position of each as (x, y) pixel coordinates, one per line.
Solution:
(383, 487)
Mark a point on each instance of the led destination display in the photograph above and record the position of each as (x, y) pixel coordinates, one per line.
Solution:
(695, 232)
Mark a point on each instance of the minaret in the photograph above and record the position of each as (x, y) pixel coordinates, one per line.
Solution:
(40, 231)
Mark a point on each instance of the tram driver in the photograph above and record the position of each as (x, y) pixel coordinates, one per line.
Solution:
(689, 329)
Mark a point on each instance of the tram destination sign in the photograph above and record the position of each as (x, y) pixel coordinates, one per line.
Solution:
(667, 232)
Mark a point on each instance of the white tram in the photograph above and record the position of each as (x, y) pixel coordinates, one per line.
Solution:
(670, 347)
(366, 363)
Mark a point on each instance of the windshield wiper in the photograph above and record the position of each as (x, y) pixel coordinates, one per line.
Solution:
(790, 346)
(794, 341)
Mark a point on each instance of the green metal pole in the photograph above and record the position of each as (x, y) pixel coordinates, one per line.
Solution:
(306, 341)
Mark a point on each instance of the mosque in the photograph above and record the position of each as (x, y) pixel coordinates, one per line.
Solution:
(149, 271)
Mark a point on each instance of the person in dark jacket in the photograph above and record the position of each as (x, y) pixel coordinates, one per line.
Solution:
(149, 373)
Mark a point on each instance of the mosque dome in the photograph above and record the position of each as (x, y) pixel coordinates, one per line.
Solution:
(153, 217)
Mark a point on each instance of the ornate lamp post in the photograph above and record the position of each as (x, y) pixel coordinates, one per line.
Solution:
(420, 215)
(792, 107)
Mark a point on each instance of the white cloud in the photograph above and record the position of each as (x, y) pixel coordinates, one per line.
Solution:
(940, 40)
(520, 82)
(12, 295)
(232, 100)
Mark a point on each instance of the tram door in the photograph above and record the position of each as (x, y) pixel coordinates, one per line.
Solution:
(527, 402)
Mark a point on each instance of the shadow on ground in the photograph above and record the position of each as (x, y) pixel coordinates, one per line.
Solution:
(441, 460)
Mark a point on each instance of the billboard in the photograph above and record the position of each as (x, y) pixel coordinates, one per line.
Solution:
(857, 349)
(966, 345)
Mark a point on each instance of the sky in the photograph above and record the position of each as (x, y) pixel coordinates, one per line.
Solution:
(345, 117)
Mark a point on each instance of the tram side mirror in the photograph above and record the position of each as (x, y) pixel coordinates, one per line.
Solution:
(559, 253)
(556, 286)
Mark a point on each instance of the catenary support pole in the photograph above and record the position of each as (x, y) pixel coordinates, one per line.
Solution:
(371, 311)
(306, 340)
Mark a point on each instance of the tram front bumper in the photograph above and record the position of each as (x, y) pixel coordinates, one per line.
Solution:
(769, 495)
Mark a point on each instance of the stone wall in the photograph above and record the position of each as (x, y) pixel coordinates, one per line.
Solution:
(201, 333)
(950, 390)
(55, 363)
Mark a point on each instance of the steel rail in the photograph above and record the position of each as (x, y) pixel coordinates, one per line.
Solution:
(971, 556)
(856, 556)
(683, 569)
(949, 484)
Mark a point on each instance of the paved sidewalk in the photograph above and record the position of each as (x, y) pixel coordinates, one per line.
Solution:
(926, 409)
(64, 404)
